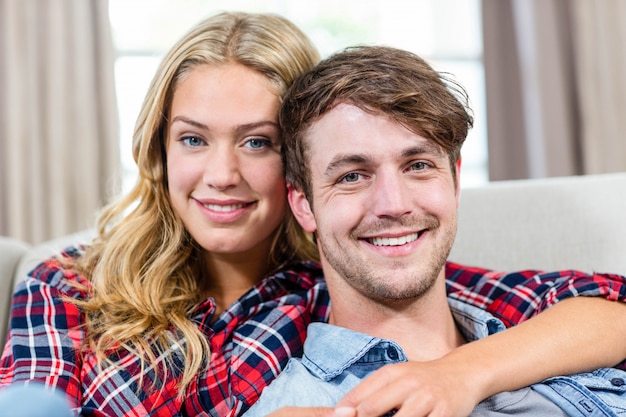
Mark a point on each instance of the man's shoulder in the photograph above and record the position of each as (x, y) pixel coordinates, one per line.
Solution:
(294, 386)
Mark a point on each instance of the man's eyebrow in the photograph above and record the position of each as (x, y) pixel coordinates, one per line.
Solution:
(342, 160)
(423, 148)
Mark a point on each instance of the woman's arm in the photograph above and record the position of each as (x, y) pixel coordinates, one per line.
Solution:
(576, 335)
(514, 297)
(42, 343)
(553, 343)
(45, 345)
(578, 308)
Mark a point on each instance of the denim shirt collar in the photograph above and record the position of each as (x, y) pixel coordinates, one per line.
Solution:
(473, 322)
(328, 360)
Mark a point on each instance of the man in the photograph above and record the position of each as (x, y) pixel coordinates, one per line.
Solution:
(372, 151)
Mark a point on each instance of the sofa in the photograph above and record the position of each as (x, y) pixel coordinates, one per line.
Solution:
(554, 223)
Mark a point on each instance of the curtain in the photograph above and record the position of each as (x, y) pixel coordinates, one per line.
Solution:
(555, 87)
(59, 151)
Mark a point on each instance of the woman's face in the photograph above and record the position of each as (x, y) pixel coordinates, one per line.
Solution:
(223, 159)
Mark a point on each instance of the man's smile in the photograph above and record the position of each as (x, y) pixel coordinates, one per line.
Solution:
(393, 241)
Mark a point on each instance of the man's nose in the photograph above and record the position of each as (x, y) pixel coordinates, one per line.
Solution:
(391, 196)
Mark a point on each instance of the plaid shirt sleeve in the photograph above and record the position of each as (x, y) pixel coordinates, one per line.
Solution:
(45, 345)
(517, 296)
(42, 341)
(44, 334)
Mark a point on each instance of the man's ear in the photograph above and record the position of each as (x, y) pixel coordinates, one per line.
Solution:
(301, 209)
(458, 180)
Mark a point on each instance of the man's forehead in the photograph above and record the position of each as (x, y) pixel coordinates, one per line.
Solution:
(349, 131)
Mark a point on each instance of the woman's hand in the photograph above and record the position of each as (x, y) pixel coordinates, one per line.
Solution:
(555, 342)
(414, 389)
(435, 389)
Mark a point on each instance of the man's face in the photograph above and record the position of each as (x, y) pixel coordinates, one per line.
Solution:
(384, 205)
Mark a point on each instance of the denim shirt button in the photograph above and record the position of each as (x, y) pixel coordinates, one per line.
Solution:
(618, 382)
(392, 353)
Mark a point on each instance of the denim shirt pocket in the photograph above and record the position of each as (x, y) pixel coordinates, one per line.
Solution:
(610, 386)
(603, 388)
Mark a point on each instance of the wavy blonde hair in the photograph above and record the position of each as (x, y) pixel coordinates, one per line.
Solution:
(144, 266)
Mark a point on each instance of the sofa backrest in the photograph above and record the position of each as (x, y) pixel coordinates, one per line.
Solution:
(550, 224)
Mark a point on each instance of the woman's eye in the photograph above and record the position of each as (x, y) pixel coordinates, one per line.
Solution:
(257, 143)
(192, 141)
(351, 177)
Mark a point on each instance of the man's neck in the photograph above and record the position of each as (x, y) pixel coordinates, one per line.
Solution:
(425, 328)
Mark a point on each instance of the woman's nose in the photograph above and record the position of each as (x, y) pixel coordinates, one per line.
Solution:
(222, 169)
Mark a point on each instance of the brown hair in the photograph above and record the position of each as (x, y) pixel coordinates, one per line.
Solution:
(380, 80)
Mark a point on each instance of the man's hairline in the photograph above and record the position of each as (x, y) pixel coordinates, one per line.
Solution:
(306, 129)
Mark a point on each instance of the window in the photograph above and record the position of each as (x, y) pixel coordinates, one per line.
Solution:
(444, 32)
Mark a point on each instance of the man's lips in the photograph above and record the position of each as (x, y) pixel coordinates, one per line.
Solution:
(394, 241)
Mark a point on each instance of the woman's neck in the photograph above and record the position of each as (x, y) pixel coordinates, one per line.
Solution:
(229, 276)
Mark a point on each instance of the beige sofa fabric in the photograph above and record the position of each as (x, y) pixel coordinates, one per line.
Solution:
(11, 251)
(556, 223)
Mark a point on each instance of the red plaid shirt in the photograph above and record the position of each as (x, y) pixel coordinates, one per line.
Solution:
(250, 342)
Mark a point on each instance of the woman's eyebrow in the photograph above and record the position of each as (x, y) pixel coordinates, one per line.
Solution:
(249, 126)
(189, 121)
(240, 128)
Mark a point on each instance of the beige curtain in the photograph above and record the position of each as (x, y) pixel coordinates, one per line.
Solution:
(555, 84)
(59, 152)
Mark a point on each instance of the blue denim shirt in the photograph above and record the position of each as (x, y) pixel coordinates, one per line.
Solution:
(336, 359)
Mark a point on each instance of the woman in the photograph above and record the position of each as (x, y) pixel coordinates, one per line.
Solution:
(198, 287)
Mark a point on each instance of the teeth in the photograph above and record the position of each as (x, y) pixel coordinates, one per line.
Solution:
(393, 241)
(222, 208)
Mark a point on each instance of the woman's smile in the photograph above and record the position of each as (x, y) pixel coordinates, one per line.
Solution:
(227, 212)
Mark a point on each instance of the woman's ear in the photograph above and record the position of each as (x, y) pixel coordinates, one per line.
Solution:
(301, 209)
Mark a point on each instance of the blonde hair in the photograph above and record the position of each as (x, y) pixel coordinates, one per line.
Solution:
(144, 265)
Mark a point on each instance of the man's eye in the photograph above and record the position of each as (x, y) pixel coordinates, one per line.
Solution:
(419, 166)
(351, 177)
(257, 143)
(192, 141)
